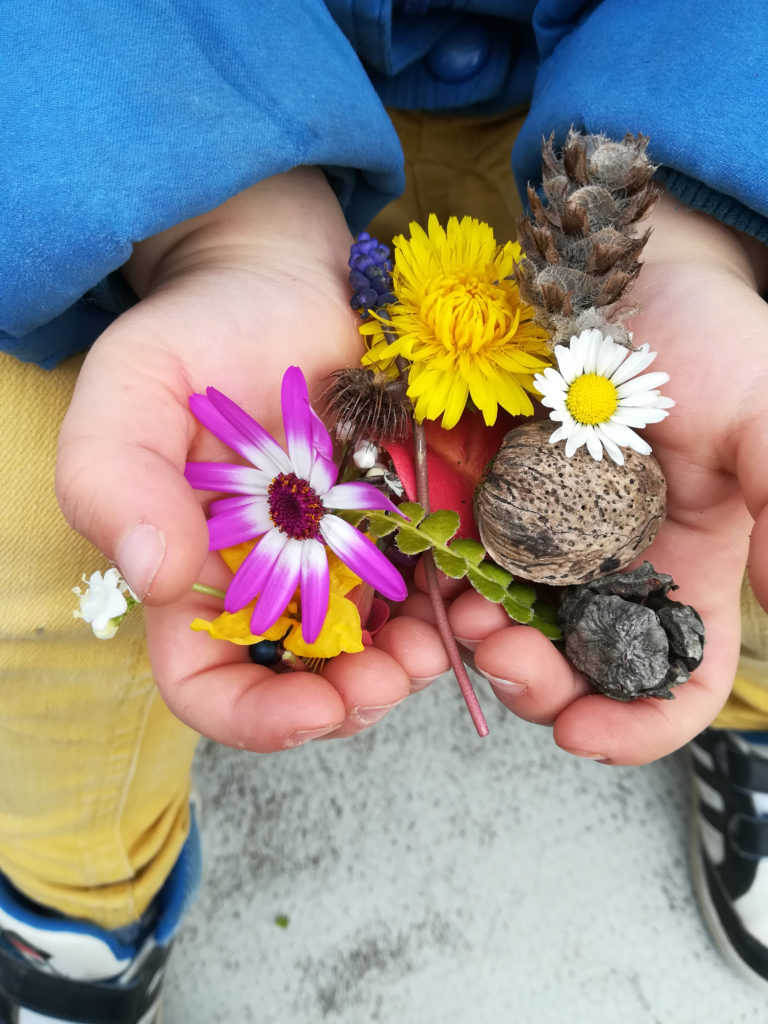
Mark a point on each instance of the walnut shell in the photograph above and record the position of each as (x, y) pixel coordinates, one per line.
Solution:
(563, 521)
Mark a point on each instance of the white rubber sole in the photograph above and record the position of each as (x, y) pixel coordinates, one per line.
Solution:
(706, 906)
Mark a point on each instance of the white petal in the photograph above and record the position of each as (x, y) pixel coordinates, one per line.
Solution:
(575, 440)
(646, 382)
(628, 416)
(638, 444)
(594, 447)
(594, 348)
(612, 449)
(619, 433)
(560, 434)
(611, 358)
(635, 363)
(566, 363)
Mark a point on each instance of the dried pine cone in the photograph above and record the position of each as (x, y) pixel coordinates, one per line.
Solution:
(582, 247)
(627, 637)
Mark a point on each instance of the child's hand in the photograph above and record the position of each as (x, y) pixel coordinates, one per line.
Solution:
(231, 299)
(703, 314)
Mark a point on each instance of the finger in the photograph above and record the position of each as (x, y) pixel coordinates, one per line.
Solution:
(473, 618)
(419, 606)
(416, 647)
(449, 588)
(119, 476)
(369, 685)
(528, 674)
(212, 686)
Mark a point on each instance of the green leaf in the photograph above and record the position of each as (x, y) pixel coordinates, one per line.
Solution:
(451, 565)
(471, 550)
(522, 593)
(411, 510)
(411, 542)
(549, 629)
(490, 590)
(380, 525)
(352, 516)
(494, 572)
(519, 612)
(546, 611)
(440, 526)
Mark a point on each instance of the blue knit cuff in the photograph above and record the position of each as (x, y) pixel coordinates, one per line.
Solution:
(724, 208)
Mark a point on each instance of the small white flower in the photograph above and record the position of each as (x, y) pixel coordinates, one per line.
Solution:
(597, 397)
(365, 455)
(104, 604)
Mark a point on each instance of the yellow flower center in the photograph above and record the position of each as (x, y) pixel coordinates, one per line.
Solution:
(592, 399)
(465, 312)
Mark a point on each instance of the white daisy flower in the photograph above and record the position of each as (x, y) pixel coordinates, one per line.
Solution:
(104, 604)
(597, 396)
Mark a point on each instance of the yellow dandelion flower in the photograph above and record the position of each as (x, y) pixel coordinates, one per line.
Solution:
(459, 321)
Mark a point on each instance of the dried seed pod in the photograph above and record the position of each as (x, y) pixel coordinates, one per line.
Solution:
(627, 637)
(564, 521)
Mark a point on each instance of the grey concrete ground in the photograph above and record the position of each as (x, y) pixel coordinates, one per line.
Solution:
(431, 877)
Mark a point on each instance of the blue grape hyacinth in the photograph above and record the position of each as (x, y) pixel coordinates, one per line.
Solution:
(370, 274)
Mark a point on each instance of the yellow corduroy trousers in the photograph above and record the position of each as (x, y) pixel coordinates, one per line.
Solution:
(94, 770)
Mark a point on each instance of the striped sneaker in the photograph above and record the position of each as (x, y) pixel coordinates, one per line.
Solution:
(729, 847)
(55, 969)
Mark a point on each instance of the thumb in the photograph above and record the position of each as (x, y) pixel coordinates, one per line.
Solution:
(119, 476)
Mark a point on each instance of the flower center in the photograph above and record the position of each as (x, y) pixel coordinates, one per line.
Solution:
(592, 398)
(294, 507)
(465, 312)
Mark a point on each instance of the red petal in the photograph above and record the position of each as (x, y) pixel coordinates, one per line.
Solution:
(455, 462)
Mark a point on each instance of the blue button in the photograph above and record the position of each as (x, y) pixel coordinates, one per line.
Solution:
(460, 54)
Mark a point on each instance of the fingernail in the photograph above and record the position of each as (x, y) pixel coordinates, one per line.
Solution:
(469, 644)
(588, 756)
(421, 683)
(305, 735)
(375, 713)
(139, 555)
(505, 685)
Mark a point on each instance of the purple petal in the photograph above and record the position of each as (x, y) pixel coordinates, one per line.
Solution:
(227, 476)
(363, 557)
(357, 495)
(238, 524)
(225, 504)
(322, 443)
(297, 421)
(323, 475)
(241, 432)
(255, 568)
(314, 589)
(279, 587)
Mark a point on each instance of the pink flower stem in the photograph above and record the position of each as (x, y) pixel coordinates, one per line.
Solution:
(433, 586)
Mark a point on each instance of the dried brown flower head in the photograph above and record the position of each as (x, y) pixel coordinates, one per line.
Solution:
(365, 404)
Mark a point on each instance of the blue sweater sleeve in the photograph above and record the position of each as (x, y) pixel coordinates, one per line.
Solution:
(690, 74)
(122, 119)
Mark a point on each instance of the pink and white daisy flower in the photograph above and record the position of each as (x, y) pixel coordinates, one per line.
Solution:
(286, 499)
